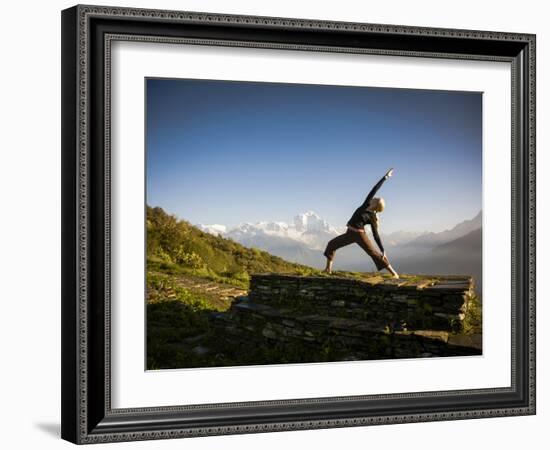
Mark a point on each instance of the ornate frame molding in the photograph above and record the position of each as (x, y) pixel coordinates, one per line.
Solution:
(80, 417)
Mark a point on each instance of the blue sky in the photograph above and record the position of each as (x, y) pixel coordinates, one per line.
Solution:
(232, 152)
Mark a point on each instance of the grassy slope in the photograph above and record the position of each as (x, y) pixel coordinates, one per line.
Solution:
(177, 246)
(177, 250)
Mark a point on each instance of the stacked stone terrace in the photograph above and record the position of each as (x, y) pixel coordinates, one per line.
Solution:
(371, 318)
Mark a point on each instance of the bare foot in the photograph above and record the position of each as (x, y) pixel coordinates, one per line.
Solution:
(393, 272)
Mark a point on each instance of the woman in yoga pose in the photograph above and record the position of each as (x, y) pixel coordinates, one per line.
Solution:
(365, 214)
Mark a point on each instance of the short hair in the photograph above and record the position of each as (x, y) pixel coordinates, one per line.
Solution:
(379, 204)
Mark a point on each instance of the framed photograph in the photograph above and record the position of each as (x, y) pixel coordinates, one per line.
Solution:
(279, 224)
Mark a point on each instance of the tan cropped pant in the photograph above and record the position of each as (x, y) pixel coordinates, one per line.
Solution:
(361, 239)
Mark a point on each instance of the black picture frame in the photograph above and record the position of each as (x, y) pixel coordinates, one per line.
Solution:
(87, 415)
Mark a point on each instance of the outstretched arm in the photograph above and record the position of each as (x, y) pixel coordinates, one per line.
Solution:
(377, 186)
(376, 236)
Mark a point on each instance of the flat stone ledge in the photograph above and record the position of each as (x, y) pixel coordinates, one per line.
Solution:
(421, 282)
(373, 316)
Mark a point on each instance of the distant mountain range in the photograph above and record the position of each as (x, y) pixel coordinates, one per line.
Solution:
(463, 228)
(461, 256)
(457, 250)
(307, 228)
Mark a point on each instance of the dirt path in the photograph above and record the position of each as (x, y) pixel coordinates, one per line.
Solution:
(219, 294)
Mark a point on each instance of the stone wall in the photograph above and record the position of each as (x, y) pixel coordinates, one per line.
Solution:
(370, 318)
(423, 302)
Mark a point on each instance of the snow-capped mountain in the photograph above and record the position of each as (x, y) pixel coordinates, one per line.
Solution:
(310, 222)
(306, 236)
(307, 229)
(213, 229)
(277, 244)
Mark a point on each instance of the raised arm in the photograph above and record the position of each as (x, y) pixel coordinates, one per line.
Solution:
(377, 186)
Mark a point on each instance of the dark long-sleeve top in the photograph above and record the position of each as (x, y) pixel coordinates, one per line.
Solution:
(362, 216)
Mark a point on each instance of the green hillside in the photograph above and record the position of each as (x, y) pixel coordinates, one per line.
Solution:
(191, 274)
(175, 246)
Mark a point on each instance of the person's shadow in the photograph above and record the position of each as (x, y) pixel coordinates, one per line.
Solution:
(53, 429)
